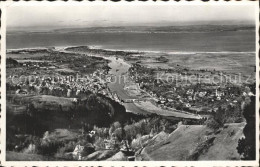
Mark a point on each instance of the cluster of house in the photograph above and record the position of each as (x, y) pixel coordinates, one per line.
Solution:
(185, 95)
(191, 98)
(37, 65)
(113, 143)
(64, 86)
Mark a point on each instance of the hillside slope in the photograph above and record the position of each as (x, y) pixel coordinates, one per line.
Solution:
(224, 146)
(196, 142)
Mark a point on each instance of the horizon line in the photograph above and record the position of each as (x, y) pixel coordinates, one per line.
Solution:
(114, 26)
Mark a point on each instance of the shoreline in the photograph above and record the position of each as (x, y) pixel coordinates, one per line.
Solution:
(98, 47)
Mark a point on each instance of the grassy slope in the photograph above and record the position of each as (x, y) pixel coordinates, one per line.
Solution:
(225, 144)
(185, 141)
(46, 101)
(179, 144)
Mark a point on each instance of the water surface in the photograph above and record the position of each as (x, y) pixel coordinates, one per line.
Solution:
(234, 41)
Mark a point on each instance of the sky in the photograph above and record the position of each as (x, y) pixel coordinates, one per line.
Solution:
(127, 15)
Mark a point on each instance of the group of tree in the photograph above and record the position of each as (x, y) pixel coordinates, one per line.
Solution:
(247, 145)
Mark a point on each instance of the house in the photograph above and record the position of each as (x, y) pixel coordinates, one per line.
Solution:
(250, 94)
(190, 91)
(127, 100)
(170, 100)
(92, 133)
(17, 91)
(21, 91)
(110, 144)
(187, 105)
(52, 67)
(78, 151)
(218, 93)
(231, 104)
(202, 94)
(162, 101)
(156, 100)
(162, 98)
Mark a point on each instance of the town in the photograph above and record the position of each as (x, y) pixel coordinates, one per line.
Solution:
(196, 97)
(89, 97)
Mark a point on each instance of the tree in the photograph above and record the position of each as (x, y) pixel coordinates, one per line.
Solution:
(247, 145)
(218, 119)
(111, 130)
(212, 123)
(220, 116)
(117, 125)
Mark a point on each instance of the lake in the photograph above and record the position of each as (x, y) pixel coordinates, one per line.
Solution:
(229, 41)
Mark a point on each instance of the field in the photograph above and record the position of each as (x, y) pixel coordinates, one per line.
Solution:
(151, 108)
(231, 63)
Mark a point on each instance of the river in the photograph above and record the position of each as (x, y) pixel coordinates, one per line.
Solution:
(118, 68)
